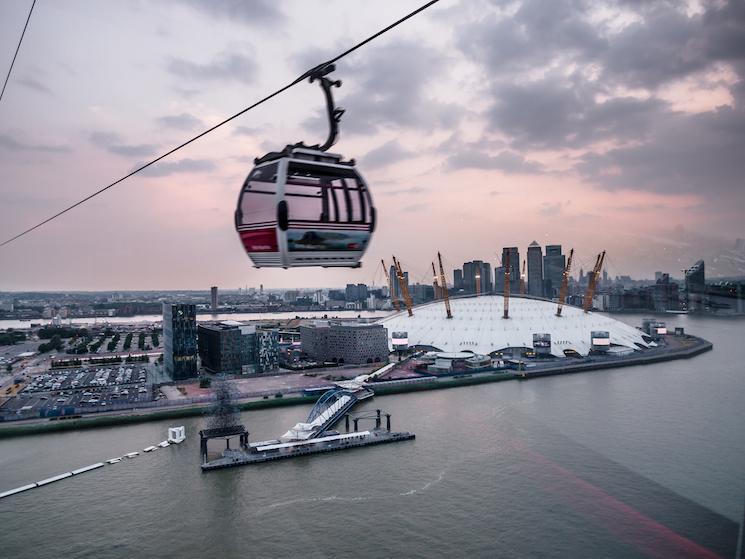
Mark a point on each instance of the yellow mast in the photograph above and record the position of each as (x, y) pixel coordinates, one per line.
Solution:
(564, 283)
(394, 302)
(445, 294)
(404, 287)
(507, 274)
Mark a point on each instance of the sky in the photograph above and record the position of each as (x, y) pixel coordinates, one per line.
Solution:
(616, 126)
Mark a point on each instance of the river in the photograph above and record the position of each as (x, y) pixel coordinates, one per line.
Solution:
(644, 461)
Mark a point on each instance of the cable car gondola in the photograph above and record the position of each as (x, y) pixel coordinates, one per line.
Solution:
(303, 206)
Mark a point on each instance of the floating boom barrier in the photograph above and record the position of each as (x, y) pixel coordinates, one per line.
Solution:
(176, 435)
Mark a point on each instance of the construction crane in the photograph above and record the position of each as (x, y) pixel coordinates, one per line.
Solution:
(593, 282)
(522, 280)
(394, 301)
(506, 265)
(403, 286)
(445, 294)
(434, 282)
(564, 283)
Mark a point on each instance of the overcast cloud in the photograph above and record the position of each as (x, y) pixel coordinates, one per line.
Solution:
(478, 124)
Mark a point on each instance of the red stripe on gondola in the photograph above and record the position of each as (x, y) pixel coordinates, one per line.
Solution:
(261, 240)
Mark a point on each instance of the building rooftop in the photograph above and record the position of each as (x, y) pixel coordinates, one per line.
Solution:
(477, 326)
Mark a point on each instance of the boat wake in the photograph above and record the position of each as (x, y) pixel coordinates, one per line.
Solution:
(426, 486)
(343, 499)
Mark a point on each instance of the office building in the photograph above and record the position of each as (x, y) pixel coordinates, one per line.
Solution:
(180, 340)
(266, 347)
(213, 297)
(471, 270)
(665, 294)
(514, 258)
(345, 343)
(457, 279)
(227, 348)
(356, 292)
(695, 284)
(554, 263)
(396, 286)
(499, 279)
(535, 270)
(695, 278)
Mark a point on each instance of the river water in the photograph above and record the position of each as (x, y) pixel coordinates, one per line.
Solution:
(644, 461)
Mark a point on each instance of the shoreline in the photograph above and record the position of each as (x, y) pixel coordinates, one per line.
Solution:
(37, 426)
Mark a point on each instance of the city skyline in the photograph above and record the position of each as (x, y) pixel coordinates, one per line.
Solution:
(585, 130)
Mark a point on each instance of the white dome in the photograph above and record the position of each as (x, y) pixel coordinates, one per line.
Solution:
(477, 325)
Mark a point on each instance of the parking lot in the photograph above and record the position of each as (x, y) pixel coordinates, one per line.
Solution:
(84, 389)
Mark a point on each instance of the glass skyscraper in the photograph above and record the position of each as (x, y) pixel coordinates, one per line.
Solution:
(180, 340)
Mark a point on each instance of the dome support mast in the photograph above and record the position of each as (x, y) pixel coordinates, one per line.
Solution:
(507, 274)
(444, 288)
(564, 283)
(404, 286)
(593, 283)
(394, 301)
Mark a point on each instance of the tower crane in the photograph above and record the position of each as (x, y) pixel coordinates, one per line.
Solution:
(506, 265)
(394, 301)
(445, 294)
(434, 282)
(593, 282)
(522, 279)
(403, 286)
(564, 283)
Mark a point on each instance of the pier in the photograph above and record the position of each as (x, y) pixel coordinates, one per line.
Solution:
(311, 437)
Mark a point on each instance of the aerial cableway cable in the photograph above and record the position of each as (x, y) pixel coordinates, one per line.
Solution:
(18, 47)
(307, 74)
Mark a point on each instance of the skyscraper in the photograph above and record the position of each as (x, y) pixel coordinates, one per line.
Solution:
(213, 293)
(469, 277)
(470, 269)
(486, 281)
(457, 278)
(396, 286)
(499, 279)
(695, 282)
(554, 263)
(535, 270)
(514, 266)
(180, 340)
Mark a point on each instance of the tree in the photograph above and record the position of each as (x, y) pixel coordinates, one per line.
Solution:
(54, 344)
(9, 368)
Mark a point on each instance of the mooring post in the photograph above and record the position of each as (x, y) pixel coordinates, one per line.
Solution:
(388, 421)
(377, 419)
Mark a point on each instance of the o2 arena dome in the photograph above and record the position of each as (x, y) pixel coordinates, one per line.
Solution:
(477, 326)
